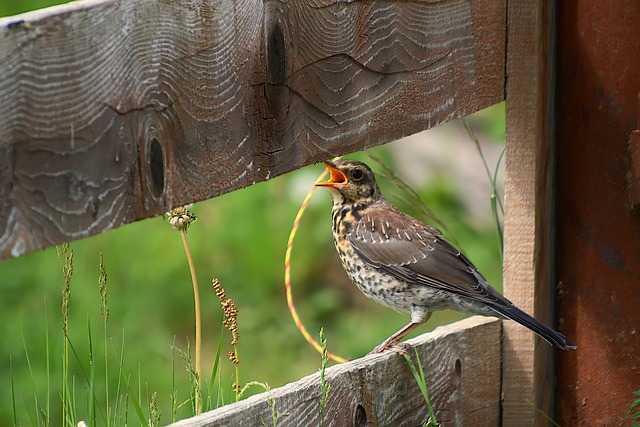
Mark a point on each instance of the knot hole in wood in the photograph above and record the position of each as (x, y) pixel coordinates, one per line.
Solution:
(457, 372)
(156, 168)
(276, 56)
(277, 91)
(360, 416)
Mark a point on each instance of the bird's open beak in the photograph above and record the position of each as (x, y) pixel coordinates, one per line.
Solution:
(337, 177)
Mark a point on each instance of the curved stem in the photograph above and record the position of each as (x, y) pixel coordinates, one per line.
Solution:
(287, 278)
(196, 301)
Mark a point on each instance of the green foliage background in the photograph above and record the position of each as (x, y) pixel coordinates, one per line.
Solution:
(241, 239)
(14, 7)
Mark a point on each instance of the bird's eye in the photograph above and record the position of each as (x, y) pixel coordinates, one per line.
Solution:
(357, 174)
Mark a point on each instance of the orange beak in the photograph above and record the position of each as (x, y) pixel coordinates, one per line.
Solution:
(337, 177)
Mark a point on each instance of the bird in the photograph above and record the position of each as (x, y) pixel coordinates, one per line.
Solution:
(400, 262)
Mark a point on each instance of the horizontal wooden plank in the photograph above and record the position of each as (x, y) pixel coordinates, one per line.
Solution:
(461, 363)
(114, 111)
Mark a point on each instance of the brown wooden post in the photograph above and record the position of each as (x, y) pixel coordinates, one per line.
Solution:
(527, 361)
(598, 250)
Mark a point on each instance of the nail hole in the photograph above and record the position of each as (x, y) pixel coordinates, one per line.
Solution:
(360, 416)
(156, 168)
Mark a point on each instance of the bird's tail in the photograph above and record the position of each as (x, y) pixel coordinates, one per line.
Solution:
(551, 336)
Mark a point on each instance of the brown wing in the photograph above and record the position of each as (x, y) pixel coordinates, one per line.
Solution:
(400, 245)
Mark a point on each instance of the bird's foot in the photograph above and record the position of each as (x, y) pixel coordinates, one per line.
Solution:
(382, 347)
(396, 346)
(401, 348)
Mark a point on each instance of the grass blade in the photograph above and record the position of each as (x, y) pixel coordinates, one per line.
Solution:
(47, 363)
(13, 394)
(116, 409)
(174, 397)
(635, 406)
(325, 387)
(33, 382)
(418, 375)
(496, 202)
(92, 376)
(214, 370)
(543, 414)
(136, 403)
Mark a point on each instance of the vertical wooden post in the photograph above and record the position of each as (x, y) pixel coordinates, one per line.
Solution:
(598, 234)
(527, 361)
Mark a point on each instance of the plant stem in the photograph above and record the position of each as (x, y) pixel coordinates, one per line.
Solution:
(66, 257)
(104, 312)
(496, 202)
(237, 387)
(48, 366)
(325, 387)
(196, 300)
(287, 276)
(92, 376)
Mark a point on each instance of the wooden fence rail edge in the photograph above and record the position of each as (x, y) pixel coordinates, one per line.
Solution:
(461, 362)
(115, 111)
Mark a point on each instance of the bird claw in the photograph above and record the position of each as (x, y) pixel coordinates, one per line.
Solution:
(401, 348)
(396, 346)
(382, 347)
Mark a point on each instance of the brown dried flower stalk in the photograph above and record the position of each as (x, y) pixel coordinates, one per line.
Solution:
(230, 322)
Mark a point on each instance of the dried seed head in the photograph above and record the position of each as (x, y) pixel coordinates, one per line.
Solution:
(181, 218)
(230, 310)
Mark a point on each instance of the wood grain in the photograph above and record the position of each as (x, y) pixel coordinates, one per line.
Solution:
(598, 235)
(461, 363)
(114, 111)
(527, 371)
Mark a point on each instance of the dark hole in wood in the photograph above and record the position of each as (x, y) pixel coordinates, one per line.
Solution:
(458, 368)
(360, 417)
(276, 56)
(156, 168)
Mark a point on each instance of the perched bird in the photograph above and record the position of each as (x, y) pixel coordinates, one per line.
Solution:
(400, 262)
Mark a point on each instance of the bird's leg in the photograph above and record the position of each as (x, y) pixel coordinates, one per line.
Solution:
(395, 338)
(419, 315)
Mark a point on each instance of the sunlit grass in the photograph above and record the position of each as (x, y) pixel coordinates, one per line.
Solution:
(78, 385)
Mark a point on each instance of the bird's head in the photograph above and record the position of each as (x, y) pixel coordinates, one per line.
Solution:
(351, 182)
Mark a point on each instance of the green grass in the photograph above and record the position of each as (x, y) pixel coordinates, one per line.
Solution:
(78, 373)
(418, 375)
(325, 387)
(634, 410)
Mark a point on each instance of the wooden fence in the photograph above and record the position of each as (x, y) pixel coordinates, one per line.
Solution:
(462, 365)
(114, 111)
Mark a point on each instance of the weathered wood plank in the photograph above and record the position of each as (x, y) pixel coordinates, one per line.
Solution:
(527, 370)
(461, 363)
(114, 111)
(598, 235)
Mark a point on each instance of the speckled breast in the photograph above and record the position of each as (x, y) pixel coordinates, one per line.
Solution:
(379, 286)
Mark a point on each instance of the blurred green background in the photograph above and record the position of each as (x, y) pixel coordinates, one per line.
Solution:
(13, 7)
(241, 239)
